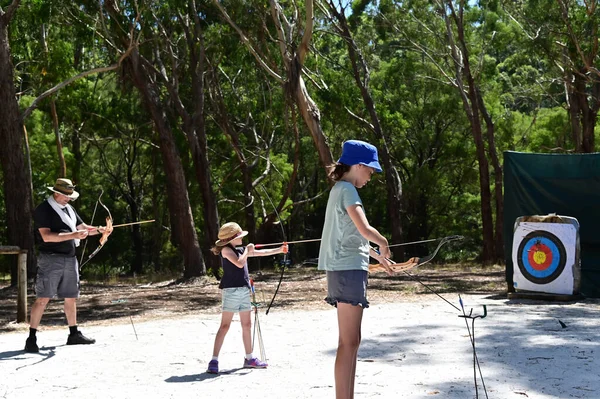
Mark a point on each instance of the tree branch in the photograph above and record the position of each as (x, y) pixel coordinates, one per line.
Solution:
(308, 30)
(59, 86)
(10, 10)
(247, 43)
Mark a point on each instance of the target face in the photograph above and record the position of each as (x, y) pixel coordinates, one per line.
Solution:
(541, 257)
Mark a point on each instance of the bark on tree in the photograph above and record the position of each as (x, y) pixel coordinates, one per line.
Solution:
(17, 180)
(361, 74)
(468, 92)
(182, 222)
(195, 129)
(293, 55)
(62, 166)
(582, 78)
(144, 78)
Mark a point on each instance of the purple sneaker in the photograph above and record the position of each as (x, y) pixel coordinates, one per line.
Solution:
(254, 363)
(213, 367)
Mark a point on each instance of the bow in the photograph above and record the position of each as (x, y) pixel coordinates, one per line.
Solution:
(413, 262)
(285, 260)
(108, 229)
(257, 331)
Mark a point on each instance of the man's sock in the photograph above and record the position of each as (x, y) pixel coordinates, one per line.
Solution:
(215, 358)
(73, 330)
(249, 356)
(32, 332)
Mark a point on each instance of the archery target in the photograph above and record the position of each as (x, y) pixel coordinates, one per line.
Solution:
(545, 257)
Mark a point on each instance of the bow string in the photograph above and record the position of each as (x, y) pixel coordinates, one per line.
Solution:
(108, 229)
(285, 254)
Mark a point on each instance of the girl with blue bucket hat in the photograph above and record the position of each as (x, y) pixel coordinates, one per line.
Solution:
(345, 251)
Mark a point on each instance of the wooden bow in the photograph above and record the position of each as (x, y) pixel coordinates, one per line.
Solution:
(395, 267)
(412, 262)
(108, 229)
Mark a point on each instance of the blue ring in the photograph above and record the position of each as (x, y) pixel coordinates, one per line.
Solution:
(555, 257)
(559, 257)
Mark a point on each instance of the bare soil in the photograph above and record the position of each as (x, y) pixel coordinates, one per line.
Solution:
(302, 288)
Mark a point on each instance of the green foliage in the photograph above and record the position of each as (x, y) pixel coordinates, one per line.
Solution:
(109, 141)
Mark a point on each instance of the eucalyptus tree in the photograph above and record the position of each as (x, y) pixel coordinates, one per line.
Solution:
(123, 24)
(284, 57)
(17, 176)
(336, 13)
(16, 166)
(565, 33)
(453, 35)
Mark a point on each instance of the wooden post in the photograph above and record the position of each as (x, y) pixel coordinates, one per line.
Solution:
(21, 280)
(22, 288)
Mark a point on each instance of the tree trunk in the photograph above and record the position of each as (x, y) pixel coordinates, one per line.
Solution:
(470, 102)
(182, 222)
(77, 155)
(137, 266)
(17, 180)
(361, 73)
(587, 115)
(195, 130)
(484, 172)
(310, 113)
(158, 211)
(498, 180)
(62, 165)
(224, 123)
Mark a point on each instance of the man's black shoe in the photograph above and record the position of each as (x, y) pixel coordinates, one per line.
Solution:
(79, 339)
(31, 345)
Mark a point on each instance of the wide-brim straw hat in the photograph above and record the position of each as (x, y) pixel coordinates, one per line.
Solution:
(65, 187)
(229, 232)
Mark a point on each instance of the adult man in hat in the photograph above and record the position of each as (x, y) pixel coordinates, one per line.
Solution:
(58, 230)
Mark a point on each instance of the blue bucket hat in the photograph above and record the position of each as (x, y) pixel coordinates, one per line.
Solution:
(360, 152)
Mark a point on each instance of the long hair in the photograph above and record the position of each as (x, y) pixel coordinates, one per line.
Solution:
(337, 170)
(217, 249)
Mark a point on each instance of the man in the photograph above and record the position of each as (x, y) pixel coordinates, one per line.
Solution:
(58, 230)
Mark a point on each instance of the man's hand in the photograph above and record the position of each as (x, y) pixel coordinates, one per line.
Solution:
(81, 234)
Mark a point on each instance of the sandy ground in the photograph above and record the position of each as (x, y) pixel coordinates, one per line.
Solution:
(409, 350)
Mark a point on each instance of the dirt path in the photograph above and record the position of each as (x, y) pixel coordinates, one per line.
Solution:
(410, 349)
(302, 288)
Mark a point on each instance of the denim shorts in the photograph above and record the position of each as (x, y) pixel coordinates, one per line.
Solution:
(57, 276)
(347, 286)
(236, 299)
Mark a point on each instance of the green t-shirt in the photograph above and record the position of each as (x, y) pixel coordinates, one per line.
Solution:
(342, 246)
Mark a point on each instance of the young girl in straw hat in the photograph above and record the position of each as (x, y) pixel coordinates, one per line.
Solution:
(344, 254)
(235, 286)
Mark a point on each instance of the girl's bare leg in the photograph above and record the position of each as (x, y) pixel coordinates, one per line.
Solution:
(349, 323)
(246, 321)
(223, 328)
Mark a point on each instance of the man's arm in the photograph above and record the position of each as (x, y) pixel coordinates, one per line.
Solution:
(92, 230)
(50, 236)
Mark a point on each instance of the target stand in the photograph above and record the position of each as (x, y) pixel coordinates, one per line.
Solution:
(546, 258)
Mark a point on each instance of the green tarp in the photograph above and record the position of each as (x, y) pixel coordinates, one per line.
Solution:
(565, 184)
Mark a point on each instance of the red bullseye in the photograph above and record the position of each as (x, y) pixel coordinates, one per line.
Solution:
(540, 256)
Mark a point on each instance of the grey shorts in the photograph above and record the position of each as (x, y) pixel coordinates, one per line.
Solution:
(236, 299)
(347, 286)
(57, 276)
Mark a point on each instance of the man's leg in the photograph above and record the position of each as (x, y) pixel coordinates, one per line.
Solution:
(71, 311)
(37, 311)
(75, 336)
